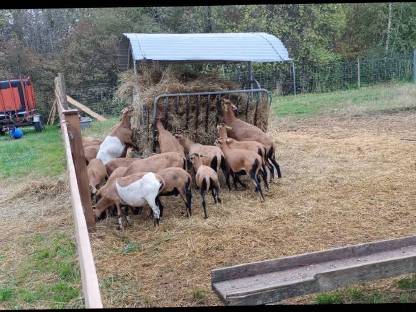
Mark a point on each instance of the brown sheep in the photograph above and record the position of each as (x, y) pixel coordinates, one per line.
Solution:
(244, 131)
(90, 152)
(96, 174)
(207, 180)
(243, 162)
(167, 141)
(214, 157)
(118, 162)
(157, 162)
(177, 181)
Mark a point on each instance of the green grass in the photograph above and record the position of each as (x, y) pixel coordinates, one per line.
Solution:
(41, 153)
(48, 277)
(199, 295)
(365, 99)
(100, 129)
(406, 293)
(408, 283)
(37, 153)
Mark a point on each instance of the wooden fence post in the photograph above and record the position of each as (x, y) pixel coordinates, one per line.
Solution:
(358, 73)
(74, 132)
(60, 90)
(294, 77)
(414, 65)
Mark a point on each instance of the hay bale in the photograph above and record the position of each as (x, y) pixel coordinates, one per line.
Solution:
(182, 114)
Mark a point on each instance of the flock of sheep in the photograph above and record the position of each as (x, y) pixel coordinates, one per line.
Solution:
(116, 180)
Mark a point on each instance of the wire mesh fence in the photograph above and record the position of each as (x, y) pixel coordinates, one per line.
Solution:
(338, 75)
(279, 79)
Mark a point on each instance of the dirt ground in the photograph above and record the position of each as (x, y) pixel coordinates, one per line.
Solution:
(347, 179)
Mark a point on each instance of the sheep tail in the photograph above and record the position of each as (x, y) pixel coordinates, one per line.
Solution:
(185, 167)
(214, 163)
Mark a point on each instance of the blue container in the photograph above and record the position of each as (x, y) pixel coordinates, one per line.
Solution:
(16, 133)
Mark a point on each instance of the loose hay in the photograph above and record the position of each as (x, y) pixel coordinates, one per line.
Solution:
(184, 116)
(345, 181)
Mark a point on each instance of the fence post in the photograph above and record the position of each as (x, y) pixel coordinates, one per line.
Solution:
(414, 65)
(294, 77)
(75, 139)
(358, 73)
(60, 90)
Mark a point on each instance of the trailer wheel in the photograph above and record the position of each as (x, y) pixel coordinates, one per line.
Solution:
(37, 124)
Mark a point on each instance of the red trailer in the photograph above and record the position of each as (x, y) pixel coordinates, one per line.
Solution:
(18, 105)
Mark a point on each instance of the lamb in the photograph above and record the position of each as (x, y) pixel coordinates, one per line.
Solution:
(243, 131)
(167, 141)
(214, 157)
(207, 180)
(96, 172)
(177, 181)
(243, 162)
(134, 190)
(114, 144)
(157, 162)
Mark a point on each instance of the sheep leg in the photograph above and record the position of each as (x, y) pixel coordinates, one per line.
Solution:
(254, 177)
(259, 187)
(237, 176)
(276, 167)
(264, 175)
(159, 203)
(213, 195)
(226, 171)
(126, 214)
(119, 215)
(187, 198)
(217, 193)
(204, 206)
(151, 200)
(234, 180)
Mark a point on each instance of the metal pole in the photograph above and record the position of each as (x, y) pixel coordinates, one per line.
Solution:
(414, 65)
(358, 73)
(250, 74)
(294, 77)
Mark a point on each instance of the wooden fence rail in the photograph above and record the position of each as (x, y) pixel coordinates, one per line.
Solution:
(81, 202)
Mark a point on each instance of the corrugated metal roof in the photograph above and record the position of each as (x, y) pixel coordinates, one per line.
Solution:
(232, 47)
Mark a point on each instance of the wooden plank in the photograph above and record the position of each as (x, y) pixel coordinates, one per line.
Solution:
(89, 280)
(52, 114)
(273, 280)
(74, 131)
(285, 263)
(60, 91)
(85, 109)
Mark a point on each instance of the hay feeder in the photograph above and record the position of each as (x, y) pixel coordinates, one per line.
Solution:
(195, 109)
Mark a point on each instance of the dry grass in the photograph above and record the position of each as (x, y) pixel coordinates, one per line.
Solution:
(345, 181)
(36, 217)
